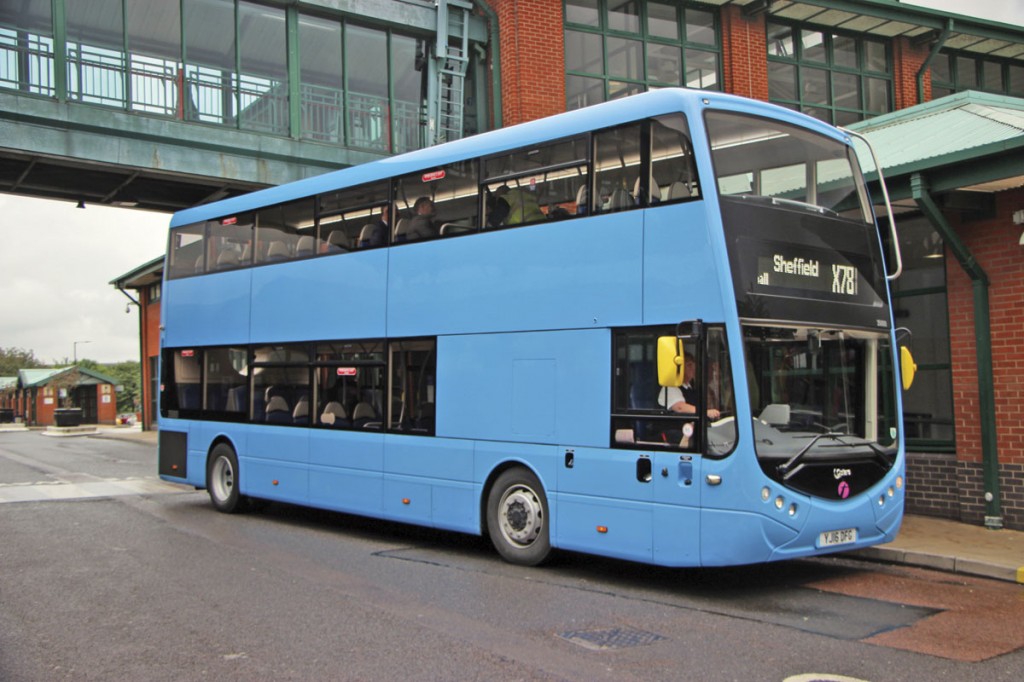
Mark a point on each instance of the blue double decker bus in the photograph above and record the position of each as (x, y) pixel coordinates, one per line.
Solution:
(657, 329)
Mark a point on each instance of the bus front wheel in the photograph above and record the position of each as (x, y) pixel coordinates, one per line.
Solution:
(222, 479)
(517, 518)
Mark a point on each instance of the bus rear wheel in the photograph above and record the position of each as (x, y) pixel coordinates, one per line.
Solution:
(222, 479)
(517, 518)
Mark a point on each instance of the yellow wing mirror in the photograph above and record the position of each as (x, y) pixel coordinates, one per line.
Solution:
(670, 361)
(908, 368)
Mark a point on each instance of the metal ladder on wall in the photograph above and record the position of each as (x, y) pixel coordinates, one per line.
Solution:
(447, 102)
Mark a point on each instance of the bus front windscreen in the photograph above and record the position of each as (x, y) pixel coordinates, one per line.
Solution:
(802, 243)
(824, 406)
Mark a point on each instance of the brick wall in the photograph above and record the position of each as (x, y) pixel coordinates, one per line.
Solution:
(907, 61)
(994, 244)
(532, 44)
(744, 54)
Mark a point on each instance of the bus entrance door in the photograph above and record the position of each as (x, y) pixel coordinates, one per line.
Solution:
(676, 480)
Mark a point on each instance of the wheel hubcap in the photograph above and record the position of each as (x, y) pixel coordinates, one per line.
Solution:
(223, 478)
(520, 515)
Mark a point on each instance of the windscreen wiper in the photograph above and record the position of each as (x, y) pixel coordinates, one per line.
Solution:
(786, 468)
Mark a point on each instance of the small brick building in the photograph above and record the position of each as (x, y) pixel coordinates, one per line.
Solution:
(40, 392)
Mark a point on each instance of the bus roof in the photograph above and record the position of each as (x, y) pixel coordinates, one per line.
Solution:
(607, 114)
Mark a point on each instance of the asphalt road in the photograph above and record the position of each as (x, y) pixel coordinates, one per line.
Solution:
(109, 574)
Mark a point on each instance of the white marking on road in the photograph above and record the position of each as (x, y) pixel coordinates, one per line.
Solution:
(46, 491)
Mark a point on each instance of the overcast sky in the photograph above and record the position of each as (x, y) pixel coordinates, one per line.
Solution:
(56, 260)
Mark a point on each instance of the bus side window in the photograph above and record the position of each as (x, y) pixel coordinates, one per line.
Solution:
(437, 202)
(186, 249)
(673, 171)
(616, 167)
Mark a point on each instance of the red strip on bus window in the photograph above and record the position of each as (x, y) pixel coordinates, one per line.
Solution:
(230, 221)
(188, 353)
(433, 175)
(347, 371)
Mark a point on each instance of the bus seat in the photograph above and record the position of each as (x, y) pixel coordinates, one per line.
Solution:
(581, 201)
(199, 264)
(776, 414)
(643, 395)
(678, 190)
(300, 415)
(337, 242)
(277, 411)
(620, 199)
(334, 415)
(306, 246)
(401, 230)
(277, 251)
(653, 191)
(227, 259)
(366, 235)
(362, 415)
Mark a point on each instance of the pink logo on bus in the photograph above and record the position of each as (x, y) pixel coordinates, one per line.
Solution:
(844, 490)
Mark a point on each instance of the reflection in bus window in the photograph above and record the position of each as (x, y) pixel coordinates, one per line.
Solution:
(436, 202)
(350, 385)
(229, 242)
(286, 231)
(413, 383)
(356, 218)
(616, 168)
(673, 170)
(281, 385)
(226, 380)
(185, 253)
(535, 184)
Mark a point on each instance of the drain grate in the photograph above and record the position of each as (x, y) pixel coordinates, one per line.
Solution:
(610, 638)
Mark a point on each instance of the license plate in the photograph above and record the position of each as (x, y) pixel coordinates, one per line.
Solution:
(831, 538)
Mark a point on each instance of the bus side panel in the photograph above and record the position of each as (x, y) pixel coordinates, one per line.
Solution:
(604, 503)
(568, 274)
(681, 278)
(199, 319)
(275, 464)
(539, 387)
(336, 297)
(752, 523)
(429, 481)
(346, 470)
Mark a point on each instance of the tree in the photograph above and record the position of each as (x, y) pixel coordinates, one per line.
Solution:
(12, 359)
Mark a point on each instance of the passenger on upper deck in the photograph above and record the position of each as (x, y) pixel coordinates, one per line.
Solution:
(422, 224)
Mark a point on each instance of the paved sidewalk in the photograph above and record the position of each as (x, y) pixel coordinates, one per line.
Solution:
(923, 540)
(952, 546)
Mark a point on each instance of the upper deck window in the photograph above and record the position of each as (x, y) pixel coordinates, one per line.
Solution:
(788, 165)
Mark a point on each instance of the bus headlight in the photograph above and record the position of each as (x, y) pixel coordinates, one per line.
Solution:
(765, 494)
(779, 502)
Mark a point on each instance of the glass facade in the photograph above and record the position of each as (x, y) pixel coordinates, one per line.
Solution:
(919, 305)
(959, 71)
(615, 48)
(834, 77)
(226, 63)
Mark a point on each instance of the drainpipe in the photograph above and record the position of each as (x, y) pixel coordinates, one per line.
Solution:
(492, 40)
(931, 56)
(143, 360)
(983, 347)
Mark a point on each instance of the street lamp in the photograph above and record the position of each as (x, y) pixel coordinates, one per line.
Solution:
(75, 349)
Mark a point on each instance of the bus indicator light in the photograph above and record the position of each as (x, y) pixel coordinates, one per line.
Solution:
(433, 176)
(406, 500)
(602, 529)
